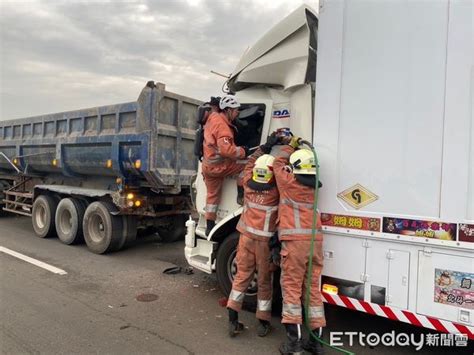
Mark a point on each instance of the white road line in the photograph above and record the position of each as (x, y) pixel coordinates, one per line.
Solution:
(38, 263)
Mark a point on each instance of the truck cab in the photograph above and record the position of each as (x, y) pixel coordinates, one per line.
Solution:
(275, 84)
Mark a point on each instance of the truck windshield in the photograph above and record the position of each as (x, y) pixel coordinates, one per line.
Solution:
(249, 125)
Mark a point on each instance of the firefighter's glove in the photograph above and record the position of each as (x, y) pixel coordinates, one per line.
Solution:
(271, 141)
(295, 142)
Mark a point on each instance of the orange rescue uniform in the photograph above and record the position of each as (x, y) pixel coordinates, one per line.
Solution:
(295, 213)
(220, 159)
(256, 225)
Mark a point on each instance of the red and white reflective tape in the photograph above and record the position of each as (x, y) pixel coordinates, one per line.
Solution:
(399, 315)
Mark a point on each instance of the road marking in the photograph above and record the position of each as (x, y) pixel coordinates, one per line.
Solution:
(38, 263)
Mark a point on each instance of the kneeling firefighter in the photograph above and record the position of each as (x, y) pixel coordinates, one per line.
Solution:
(256, 225)
(295, 175)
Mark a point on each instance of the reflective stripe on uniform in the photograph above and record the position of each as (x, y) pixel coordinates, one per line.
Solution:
(237, 152)
(296, 210)
(264, 305)
(254, 230)
(316, 311)
(210, 208)
(295, 231)
(237, 296)
(287, 201)
(292, 309)
(215, 160)
(261, 207)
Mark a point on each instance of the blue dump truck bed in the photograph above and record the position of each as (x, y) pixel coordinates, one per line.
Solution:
(149, 141)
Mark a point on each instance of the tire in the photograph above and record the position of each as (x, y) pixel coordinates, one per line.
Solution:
(102, 231)
(226, 269)
(129, 232)
(68, 220)
(173, 231)
(43, 216)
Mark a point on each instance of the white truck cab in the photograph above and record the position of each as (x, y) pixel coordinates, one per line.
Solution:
(389, 110)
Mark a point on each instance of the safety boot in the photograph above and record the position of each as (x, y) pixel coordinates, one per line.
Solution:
(264, 328)
(293, 345)
(235, 327)
(210, 225)
(312, 345)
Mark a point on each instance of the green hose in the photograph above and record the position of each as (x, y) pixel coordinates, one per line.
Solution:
(310, 263)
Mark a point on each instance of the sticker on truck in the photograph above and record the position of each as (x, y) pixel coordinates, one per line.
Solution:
(357, 196)
(466, 233)
(454, 288)
(281, 111)
(420, 228)
(351, 222)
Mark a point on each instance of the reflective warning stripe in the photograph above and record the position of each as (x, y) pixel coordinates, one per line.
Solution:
(237, 296)
(396, 314)
(237, 152)
(316, 312)
(287, 201)
(269, 212)
(296, 210)
(292, 309)
(261, 207)
(210, 208)
(295, 231)
(215, 160)
(254, 230)
(264, 305)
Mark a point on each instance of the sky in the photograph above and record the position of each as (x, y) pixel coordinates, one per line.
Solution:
(63, 55)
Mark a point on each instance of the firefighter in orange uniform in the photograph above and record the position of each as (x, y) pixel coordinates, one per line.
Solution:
(221, 155)
(295, 175)
(257, 225)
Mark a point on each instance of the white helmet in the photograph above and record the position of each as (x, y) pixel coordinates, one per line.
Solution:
(302, 162)
(263, 169)
(229, 101)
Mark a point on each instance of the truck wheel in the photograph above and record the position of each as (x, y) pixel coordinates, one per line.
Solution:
(42, 216)
(173, 231)
(102, 231)
(69, 217)
(226, 269)
(129, 233)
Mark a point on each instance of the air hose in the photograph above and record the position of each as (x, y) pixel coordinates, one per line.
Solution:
(311, 252)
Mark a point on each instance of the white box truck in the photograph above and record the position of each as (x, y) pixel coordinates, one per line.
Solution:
(389, 111)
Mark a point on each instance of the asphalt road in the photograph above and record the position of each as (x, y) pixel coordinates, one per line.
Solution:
(93, 309)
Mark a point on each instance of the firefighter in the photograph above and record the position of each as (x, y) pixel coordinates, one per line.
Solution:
(256, 225)
(221, 155)
(295, 175)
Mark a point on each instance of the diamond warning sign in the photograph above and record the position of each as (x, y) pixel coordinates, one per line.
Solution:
(357, 196)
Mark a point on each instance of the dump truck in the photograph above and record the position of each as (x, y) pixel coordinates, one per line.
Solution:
(387, 104)
(99, 174)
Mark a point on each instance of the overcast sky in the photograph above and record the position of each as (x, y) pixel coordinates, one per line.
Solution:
(63, 55)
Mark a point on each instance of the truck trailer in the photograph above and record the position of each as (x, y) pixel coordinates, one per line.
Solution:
(387, 102)
(98, 174)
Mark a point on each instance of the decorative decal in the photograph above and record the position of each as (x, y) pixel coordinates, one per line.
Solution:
(419, 228)
(454, 288)
(351, 222)
(466, 233)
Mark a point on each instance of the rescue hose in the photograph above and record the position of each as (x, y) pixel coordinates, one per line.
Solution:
(311, 252)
